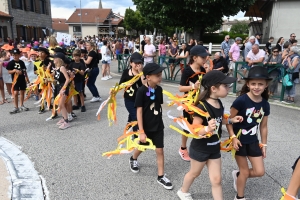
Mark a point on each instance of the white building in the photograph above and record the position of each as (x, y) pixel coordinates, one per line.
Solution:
(280, 18)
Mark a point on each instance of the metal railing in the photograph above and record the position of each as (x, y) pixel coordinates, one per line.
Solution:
(123, 62)
(270, 69)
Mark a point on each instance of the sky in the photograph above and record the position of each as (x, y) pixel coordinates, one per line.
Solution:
(65, 8)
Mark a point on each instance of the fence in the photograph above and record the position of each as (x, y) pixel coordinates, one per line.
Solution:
(174, 68)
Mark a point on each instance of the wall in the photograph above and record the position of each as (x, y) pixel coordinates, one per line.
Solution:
(285, 19)
(4, 6)
(89, 30)
(29, 18)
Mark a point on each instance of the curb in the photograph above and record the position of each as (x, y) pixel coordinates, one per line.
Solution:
(25, 181)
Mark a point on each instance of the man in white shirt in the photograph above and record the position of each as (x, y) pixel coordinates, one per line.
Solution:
(149, 51)
(130, 46)
(255, 56)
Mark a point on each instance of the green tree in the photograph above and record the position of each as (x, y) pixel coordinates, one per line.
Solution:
(197, 15)
(240, 28)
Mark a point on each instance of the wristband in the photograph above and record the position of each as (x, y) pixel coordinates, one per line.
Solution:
(64, 87)
(141, 131)
(233, 136)
(264, 145)
(229, 121)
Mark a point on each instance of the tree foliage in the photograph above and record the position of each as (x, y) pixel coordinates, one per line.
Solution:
(189, 14)
(240, 28)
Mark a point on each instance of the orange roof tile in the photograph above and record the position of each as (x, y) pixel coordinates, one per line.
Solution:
(89, 15)
(3, 14)
(59, 24)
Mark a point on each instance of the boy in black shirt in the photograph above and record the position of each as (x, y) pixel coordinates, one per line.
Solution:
(149, 116)
(17, 67)
(79, 69)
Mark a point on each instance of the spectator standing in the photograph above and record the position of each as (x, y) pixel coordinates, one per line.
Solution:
(257, 38)
(173, 52)
(149, 51)
(162, 51)
(280, 43)
(234, 54)
(269, 45)
(225, 47)
(143, 43)
(292, 37)
(131, 46)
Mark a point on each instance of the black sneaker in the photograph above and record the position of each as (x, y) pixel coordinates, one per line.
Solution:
(41, 111)
(73, 115)
(164, 181)
(75, 107)
(14, 111)
(134, 165)
(83, 109)
(54, 116)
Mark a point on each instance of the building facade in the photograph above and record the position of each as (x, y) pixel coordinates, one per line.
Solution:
(280, 18)
(59, 25)
(99, 22)
(29, 18)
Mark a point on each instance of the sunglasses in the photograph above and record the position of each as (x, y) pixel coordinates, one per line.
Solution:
(275, 51)
(227, 38)
(293, 35)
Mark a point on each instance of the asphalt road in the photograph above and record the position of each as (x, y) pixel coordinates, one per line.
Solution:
(70, 160)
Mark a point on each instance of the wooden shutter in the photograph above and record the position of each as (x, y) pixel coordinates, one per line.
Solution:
(14, 3)
(46, 7)
(5, 33)
(37, 6)
(27, 5)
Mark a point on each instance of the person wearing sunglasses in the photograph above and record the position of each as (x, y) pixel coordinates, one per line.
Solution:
(225, 47)
(274, 73)
(292, 37)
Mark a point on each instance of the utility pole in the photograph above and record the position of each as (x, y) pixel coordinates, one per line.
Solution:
(81, 21)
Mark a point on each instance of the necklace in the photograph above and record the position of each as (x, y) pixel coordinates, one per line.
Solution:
(214, 98)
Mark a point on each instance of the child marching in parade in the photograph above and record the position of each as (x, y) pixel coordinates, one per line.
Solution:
(253, 106)
(148, 102)
(206, 150)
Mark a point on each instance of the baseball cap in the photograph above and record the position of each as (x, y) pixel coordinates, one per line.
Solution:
(198, 50)
(136, 58)
(216, 77)
(59, 55)
(15, 51)
(152, 68)
(238, 39)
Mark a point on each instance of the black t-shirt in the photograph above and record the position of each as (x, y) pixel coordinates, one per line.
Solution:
(150, 100)
(60, 77)
(252, 113)
(94, 62)
(78, 77)
(218, 63)
(188, 75)
(19, 65)
(143, 43)
(130, 93)
(269, 47)
(189, 47)
(212, 144)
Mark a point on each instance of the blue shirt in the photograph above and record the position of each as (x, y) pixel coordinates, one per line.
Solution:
(253, 113)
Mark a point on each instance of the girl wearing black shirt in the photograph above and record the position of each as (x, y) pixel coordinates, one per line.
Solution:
(206, 150)
(61, 75)
(135, 68)
(92, 63)
(190, 81)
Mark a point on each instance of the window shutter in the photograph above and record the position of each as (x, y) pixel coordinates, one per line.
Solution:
(46, 7)
(27, 5)
(14, 3)
(37, 6)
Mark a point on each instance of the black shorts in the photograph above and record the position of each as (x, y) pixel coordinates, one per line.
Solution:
(78, 86)
(59, 87)
(157, 138)
(202, 156)
(252, 150)
(20, 85)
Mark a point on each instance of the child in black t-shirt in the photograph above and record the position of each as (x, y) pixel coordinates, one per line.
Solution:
(148, 102)
(190, 81)
(17, 67)
(206, 150)
(79, 70)
(135, 68)
(253, 106)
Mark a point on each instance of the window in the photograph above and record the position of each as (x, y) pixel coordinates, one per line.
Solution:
(29, 5)
(42, 7)
(76, 29)
(17, 4)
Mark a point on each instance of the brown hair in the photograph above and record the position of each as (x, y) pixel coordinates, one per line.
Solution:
(76, 52)
(3, 54)
(52, 42)
(245, 89)
(205, 94)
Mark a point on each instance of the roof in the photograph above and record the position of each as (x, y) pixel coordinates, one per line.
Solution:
(89, 15)
(59, 24)
(257, 9)
(3, 14)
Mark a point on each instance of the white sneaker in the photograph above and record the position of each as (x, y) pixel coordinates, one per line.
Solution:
(184, 196)
(234, 176)
(109, 77)
(239, 199)
(105, 78)
(70, 118)
(95, 99)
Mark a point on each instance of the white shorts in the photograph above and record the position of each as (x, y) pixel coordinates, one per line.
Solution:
(232, 65)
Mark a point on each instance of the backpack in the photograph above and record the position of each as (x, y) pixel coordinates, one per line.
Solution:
(99, 57)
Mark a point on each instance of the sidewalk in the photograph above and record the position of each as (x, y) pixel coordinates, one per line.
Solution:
(4, 183)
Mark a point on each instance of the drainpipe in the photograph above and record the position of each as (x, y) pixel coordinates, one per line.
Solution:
(11, 19)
